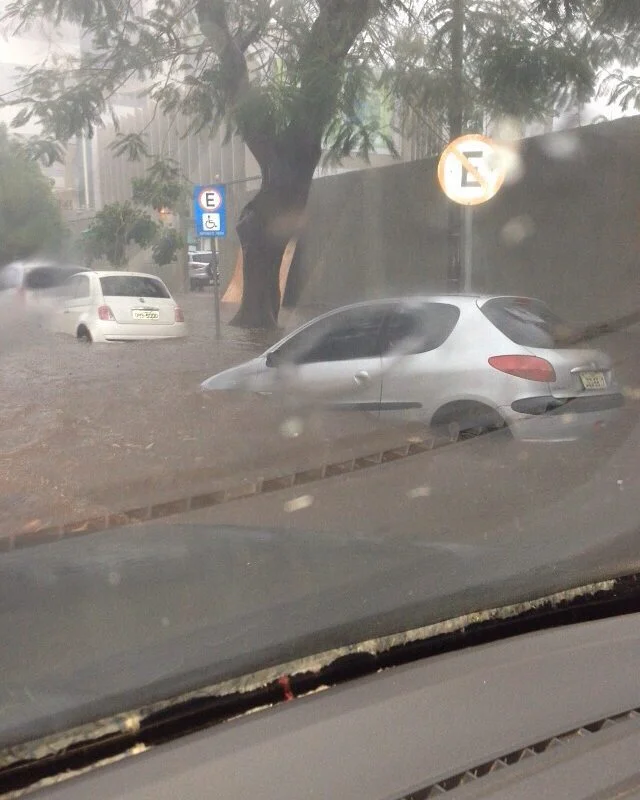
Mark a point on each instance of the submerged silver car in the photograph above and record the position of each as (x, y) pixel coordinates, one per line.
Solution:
(465, 365)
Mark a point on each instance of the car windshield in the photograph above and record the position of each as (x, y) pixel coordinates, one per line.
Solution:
(348, 344)
(132, 286)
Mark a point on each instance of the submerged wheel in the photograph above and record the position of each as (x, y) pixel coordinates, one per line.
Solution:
(459, 421)
(84, 335)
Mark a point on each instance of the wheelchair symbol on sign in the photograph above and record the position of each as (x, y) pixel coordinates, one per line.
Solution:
(211, 222)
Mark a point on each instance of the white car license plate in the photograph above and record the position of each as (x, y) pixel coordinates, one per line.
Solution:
(593, 380)
(143, 314)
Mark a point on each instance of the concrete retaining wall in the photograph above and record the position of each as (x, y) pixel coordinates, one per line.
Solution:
(568, 231)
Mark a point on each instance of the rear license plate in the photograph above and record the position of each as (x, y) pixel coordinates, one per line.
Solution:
(593, 380)
(144, 314)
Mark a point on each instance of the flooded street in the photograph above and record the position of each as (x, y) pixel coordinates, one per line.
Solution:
(77, 422)
(88, 429)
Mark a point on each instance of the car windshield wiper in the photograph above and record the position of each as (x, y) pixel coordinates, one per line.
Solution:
(62, 756)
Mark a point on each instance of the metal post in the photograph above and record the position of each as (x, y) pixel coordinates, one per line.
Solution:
(85, 170)
(467, 248)
(456, 116)
(216, 291)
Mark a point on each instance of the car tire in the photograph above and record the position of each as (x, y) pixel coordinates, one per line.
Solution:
(467, 421)
(84, 335)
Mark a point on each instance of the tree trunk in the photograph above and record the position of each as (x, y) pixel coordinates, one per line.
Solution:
(261, 257)
(266, 225)
(297, 276)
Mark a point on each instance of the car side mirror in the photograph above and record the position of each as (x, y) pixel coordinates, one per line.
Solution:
(273, 359)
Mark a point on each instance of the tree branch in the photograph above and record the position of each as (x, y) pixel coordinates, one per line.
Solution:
(331, 37)
(214, 25)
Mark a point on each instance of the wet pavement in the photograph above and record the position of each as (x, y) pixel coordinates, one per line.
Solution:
(90, 430)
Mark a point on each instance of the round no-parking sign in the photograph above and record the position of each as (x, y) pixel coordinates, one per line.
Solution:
(471, 170)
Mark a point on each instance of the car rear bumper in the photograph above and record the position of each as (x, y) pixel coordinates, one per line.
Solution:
(117, 332)
(550, 419)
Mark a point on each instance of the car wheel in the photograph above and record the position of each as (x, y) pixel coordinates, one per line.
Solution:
(84, 335)
(459, 421)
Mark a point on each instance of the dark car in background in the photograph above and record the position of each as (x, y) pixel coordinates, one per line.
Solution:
(203, 266)
(31, 287)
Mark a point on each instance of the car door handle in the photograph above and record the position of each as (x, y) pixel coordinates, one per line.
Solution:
(66, 311)
(362, 377)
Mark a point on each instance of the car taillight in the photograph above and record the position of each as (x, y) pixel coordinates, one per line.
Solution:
(105, 314)
(530, 368)
(179, 314)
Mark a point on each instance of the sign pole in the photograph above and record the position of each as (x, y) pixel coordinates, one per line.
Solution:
(210, 216)
(216, 291)
(470, 172)
(468, 248)
(455, 236)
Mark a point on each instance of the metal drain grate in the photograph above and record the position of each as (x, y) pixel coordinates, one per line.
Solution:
(516, 756)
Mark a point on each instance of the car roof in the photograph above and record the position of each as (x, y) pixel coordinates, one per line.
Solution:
(459, 300)
(27, 266)
(115, 273)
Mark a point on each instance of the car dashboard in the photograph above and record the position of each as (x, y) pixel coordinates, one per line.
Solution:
(553, 713)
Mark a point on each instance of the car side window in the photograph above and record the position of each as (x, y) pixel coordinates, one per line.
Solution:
(348, 335)
(419, 330)
(82, 287)
(356, 334)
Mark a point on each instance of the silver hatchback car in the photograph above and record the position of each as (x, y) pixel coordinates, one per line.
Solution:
(465, 365)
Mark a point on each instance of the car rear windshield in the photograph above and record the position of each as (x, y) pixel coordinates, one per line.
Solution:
(132, 286)
(46, 277)
(529, 323)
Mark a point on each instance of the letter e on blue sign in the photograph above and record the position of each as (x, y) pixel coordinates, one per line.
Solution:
(210, 211)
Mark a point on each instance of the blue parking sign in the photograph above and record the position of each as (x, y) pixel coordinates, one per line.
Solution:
(210, 211)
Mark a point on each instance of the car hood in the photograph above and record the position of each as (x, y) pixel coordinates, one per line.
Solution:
(99, 624)
(252, 376)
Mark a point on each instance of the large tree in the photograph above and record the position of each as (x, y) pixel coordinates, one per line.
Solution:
(30, 218)
(614, 26)
(470, 61)
(279, 73)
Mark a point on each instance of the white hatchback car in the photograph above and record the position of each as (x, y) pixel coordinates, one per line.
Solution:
(118, 307)
(464, 365)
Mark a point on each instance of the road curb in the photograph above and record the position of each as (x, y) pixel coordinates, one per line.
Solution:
(200, 501)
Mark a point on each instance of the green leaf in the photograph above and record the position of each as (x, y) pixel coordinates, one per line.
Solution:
(131, 145)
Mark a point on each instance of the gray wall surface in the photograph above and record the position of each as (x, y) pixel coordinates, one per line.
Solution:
(382, 232)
